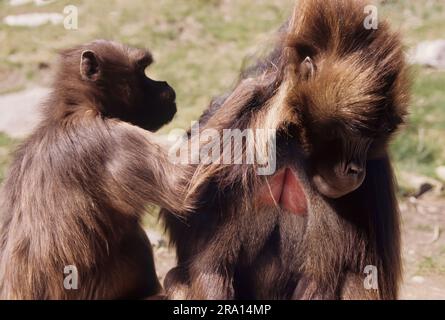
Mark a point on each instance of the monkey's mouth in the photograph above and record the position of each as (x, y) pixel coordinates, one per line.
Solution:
(284, 189)
(326, 189)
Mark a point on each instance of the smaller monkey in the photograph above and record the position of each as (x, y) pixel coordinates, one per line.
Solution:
(79, 184)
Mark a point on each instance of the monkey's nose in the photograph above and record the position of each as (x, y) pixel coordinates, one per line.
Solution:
(168, 93)
(353, 169)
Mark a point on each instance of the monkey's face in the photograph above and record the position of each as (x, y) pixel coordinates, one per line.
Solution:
(347, 115)
(338, 160)
(157, 104)
(117, 74)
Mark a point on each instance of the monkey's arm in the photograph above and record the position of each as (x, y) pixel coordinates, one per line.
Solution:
(142, 171)
(139, 172)
(203, 284)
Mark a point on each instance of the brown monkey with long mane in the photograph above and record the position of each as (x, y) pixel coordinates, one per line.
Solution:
(79, 184)
(334, 92)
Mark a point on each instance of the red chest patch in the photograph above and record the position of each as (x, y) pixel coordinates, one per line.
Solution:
(286, 191)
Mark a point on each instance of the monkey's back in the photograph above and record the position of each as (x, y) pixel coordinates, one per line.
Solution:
(55, 212)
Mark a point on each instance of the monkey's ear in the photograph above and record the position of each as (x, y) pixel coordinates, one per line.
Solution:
(89, 66)
(307, 69)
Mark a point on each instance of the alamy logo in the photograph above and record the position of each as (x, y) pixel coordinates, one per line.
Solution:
(71, 20)
(371, 281)
(231, 146)
(372, 19)
(71, 280)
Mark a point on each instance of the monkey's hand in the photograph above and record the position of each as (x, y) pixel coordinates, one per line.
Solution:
(176, 284)
(198, 285)
(211, 286)
(353, 288)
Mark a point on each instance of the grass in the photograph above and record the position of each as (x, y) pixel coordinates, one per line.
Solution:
(199, 47)
(419, 147)
(417, 20)
(432, 265)
(424, 227)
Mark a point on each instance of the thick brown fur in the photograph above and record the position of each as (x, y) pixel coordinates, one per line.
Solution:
(234, 248)
(79, 184)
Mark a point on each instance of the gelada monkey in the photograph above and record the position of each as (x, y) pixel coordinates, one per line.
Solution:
(79, 184)
(334, 91)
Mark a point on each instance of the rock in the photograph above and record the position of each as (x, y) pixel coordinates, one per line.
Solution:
(33, 20)
(420, 184)
(156, 239)
(15, 3)
(20, 111)
(440, 171)
(424, 188)
(429, 53)
(418, 279)
(43, 65)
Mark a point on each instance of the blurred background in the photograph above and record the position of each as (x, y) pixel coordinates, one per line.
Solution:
(199, 46)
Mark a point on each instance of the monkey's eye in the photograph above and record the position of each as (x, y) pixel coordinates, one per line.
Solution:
(391, 129)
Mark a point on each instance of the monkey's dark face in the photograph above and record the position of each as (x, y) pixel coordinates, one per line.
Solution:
(156, 103)
(339, 153)
(348, 117)
(117, 74)
(338, 160)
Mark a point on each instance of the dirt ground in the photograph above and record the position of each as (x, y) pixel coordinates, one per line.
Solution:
(423, 222)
